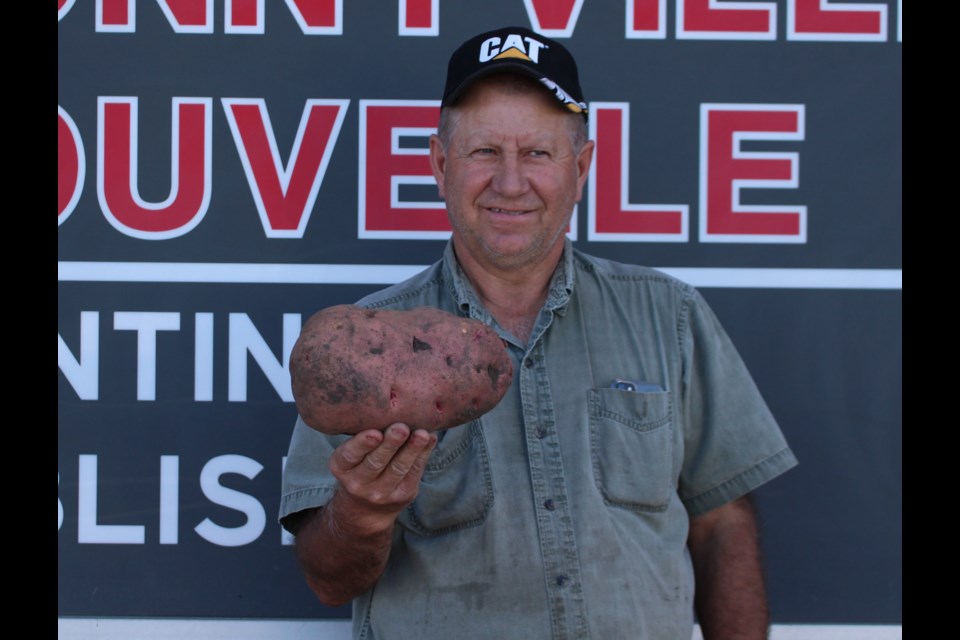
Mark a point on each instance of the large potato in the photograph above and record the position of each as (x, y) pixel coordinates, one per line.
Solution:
(354, 369)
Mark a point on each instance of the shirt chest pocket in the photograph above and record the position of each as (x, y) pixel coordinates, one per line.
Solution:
(631, 444)
(456, 490)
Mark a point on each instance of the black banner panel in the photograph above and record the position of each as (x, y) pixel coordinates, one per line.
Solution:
(226, 168)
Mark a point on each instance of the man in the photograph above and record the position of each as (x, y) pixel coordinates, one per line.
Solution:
(618, 464)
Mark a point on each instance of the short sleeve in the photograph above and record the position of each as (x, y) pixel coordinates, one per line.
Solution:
(732, 443)
(307, 481)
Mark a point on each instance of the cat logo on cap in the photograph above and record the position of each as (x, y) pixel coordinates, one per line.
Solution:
(513, 46)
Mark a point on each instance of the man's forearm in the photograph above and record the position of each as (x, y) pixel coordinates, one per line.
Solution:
(731, 601)
(340, 556)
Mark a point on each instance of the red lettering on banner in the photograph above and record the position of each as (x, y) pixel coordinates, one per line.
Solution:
(190, 161)
(71, 165)
(284, 196)
(823, 20)
(555, 18)
(318, 17)
(723, 20)
(243, 16)
(725, 169)
(419, 18)
(386, 164)
(185, 16)
(646, 18)
(63, 6)
(116, 15)
(610, 217)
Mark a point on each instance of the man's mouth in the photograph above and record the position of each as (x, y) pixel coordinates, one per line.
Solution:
(508, 212)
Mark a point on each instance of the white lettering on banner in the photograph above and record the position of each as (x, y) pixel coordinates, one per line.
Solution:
(146, 324)
(695, 19)
(233, 499)
(90, 531)
(725, 169)
(245, 338)
(203, 358)
(284, 195)
(190, 169)
(83, 373)
(169, 499)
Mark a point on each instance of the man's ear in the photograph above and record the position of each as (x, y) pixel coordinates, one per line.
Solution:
(438, 162)
(584, 158)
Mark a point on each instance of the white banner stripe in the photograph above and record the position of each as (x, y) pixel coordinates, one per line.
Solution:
(385, 274)
(212, 629)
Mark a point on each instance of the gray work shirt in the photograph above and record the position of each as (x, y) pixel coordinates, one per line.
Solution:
(563, 513)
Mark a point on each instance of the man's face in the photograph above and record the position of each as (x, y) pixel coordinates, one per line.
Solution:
(510, 175)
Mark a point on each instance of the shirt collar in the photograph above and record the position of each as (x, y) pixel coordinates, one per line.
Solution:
(468, 302)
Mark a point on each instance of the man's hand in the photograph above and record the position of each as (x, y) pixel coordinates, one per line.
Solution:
(731, 601)
(344, 546)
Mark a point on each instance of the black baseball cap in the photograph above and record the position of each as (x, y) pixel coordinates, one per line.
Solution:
(515, 50)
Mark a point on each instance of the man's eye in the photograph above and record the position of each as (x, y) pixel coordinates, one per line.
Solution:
(483, 151)
(539, 153)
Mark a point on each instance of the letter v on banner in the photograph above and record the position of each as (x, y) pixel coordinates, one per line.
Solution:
(554, 18)
(610, 217)
(284, 195)
(726, 169)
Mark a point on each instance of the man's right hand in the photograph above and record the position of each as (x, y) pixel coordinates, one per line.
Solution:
(344, 547)
(379, 475)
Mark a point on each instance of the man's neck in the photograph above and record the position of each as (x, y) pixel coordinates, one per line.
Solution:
(513, 298)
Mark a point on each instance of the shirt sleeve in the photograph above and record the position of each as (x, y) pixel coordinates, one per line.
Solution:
(732, 443)
(307, 480)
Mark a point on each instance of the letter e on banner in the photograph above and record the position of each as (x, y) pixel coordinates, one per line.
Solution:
(71, 165)
(836, 21)
(284, 195)
(725, 169)
(611, 218)
(725, 20)
(393, 154)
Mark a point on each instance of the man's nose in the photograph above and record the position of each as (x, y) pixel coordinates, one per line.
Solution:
(509, 178)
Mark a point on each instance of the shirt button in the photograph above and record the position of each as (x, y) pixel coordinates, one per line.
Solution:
(528, 363)
(562, 580)
(549, 504)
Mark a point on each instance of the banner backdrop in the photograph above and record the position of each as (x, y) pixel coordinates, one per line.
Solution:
(228, 167)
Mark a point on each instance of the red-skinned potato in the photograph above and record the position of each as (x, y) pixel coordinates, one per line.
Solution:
(354, 369)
